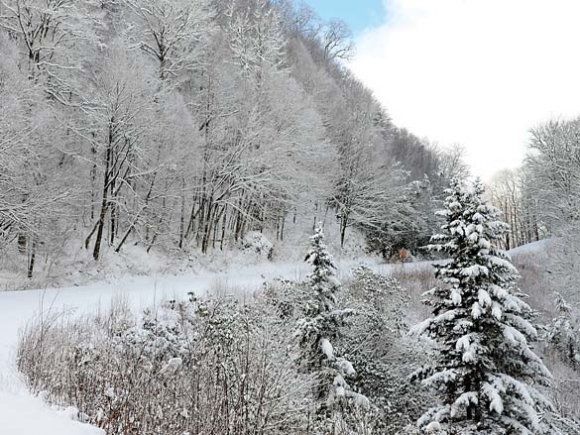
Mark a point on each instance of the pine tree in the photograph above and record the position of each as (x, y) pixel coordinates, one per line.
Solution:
(323, 279)
(485, 370)
(321, 325)
(564, 332)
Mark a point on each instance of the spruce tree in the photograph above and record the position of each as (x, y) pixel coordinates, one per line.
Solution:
(322, 280)
(485, 371)
(321, 325)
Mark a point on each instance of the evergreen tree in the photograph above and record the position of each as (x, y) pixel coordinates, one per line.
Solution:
(321, 325)
(564, 332)
(323, 279)
(485, 370)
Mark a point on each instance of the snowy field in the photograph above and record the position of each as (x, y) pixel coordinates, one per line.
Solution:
(22, 414)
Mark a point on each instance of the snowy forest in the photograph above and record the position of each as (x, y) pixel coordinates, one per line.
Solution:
(209, 225)
(182, 126)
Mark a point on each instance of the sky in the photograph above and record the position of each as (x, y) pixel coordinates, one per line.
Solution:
(359, 14)
(480, 73)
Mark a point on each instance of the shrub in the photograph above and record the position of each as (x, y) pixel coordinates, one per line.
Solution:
(258, 243)
(383, 353)
(212, 366)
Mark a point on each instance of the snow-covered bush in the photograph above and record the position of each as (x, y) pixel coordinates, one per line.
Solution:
(257, 243)
(485, 371)
(564, 332)
(372, 339)
(211, 366)
(376, 344)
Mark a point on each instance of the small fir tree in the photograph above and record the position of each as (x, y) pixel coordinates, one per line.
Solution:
(323, 279)
(564, 332)
(485, 370)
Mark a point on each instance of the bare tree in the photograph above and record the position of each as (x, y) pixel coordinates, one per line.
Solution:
(337, 40)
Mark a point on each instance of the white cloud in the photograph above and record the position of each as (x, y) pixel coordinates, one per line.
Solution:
(477, 72)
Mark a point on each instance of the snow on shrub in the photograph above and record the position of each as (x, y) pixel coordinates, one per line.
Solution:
(258, 243)
(564, 332)
(210, 366)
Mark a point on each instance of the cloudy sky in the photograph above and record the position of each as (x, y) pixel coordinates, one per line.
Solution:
(476, 72)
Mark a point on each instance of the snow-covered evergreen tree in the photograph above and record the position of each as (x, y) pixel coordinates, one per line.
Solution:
(321, 325)
(564, 332)
(485, 371)
(323, 279)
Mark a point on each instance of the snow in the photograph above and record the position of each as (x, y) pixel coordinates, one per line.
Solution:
(22, 414)
(476, 310)
(455, 296)
(26, 415)
(346, 367)
(532, 248)
(495, 400)
(432, 427)
(483, 298)
(172, 367)
(327, 349)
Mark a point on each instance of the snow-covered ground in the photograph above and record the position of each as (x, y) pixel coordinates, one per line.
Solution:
(22, 414)
(532, 248)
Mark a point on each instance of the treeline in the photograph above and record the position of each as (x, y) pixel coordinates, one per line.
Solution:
(182, 124)
(542, 198)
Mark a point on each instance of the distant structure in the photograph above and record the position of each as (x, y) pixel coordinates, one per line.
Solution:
(403, 254)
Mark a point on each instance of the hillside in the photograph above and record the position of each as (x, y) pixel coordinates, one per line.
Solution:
(181, 126)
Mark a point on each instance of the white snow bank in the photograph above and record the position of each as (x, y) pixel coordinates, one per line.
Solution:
(21, 414)
(532, 248)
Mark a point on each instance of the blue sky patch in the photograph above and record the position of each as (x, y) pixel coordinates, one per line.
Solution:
(358, 14)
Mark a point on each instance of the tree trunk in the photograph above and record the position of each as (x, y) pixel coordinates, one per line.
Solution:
(105, 199)
(32, 257)
(22, 243)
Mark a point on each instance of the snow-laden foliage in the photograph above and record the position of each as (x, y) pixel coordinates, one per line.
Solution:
(372, 339)
(564, 332)
(183, 125)
(485, 370)
(322, 280)
(257, 243)
(376, 344)
(318, 330)
(195, 366)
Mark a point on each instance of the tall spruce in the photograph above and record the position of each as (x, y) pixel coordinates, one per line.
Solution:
(485, 371)
(320, 327)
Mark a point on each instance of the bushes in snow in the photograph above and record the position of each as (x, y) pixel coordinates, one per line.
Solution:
(318, 329)
(257, 243)
(383, 354)
(315, 357)
(564, 333)
(212, 366)
(352, 336)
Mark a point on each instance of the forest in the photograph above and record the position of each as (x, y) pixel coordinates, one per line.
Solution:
(209, 225)
(184, 125)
